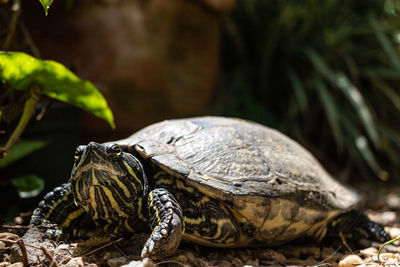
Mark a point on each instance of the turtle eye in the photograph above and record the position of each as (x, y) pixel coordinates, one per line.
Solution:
(78, 152)
(114, 150)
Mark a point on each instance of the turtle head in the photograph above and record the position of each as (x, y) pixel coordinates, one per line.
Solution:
(106, 181)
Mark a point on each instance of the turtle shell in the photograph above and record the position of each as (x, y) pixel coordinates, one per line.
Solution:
(231, 159)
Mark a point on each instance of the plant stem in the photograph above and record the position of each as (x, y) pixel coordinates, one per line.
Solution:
(16, 8)
(29, 110)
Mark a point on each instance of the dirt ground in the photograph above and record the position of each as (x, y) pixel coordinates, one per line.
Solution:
(19, 249)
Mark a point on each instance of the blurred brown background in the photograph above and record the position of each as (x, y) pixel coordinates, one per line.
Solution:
(153, 60)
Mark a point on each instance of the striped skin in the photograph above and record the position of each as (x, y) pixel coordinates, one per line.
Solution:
(207, 221)
(58, 207)
(108, 186)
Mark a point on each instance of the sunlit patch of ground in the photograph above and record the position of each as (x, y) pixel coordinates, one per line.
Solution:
(384, 209)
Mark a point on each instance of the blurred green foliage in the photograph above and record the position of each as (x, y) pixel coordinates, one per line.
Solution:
(325, 72)
(28, 185)
(20, 150)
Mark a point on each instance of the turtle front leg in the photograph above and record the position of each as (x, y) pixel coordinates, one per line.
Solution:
(166, 221)
(58, 208)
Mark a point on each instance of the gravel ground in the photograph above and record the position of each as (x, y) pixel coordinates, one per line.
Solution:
(385, 209)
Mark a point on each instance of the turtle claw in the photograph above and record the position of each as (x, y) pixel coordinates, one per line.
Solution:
(148, 248)
(163, 242)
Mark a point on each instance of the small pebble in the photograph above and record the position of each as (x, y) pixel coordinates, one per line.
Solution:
(237, 262)
(9, 236)
(18, 220)
(350, 261)
(270, 254)
(393, 200)
(64, 247)
(144, 263)
(252, 263)
(148, 263)
(201, 263)
(373, 264)
(387, 255)
(74, 262)
(243, 255)
(181, 259)
(371, 251)
(114, 262)
(387, 217)
(190, 257)
(224, 263)
(394, 232)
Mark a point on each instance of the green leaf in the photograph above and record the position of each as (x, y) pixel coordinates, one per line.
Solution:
(390, 50)
(299, 91)
(366, 153)
(20, 150)
(350, 91)
(363, 148)
(28, 186)
(20, 71)
(331, 111)
(46, 5)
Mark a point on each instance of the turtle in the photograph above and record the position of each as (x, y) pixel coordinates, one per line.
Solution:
(213, 181)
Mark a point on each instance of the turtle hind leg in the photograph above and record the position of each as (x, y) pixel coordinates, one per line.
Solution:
(355, 225)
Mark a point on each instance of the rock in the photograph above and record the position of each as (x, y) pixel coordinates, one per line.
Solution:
(350, 261)
(389, 259)
(270, 254)
(8, 236)
(252, 263)
(33, 237)
(74, 262)
(243, 255)
(200, 263)
(17, 264)
(387, 255)
(237, 262)
(190, 257)
(385, 218)
(115, 262)
(394, 232)
(143, 263)
(2, 246)
(369, 252)
(181, 259)
(224, 263)
(393, 200)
